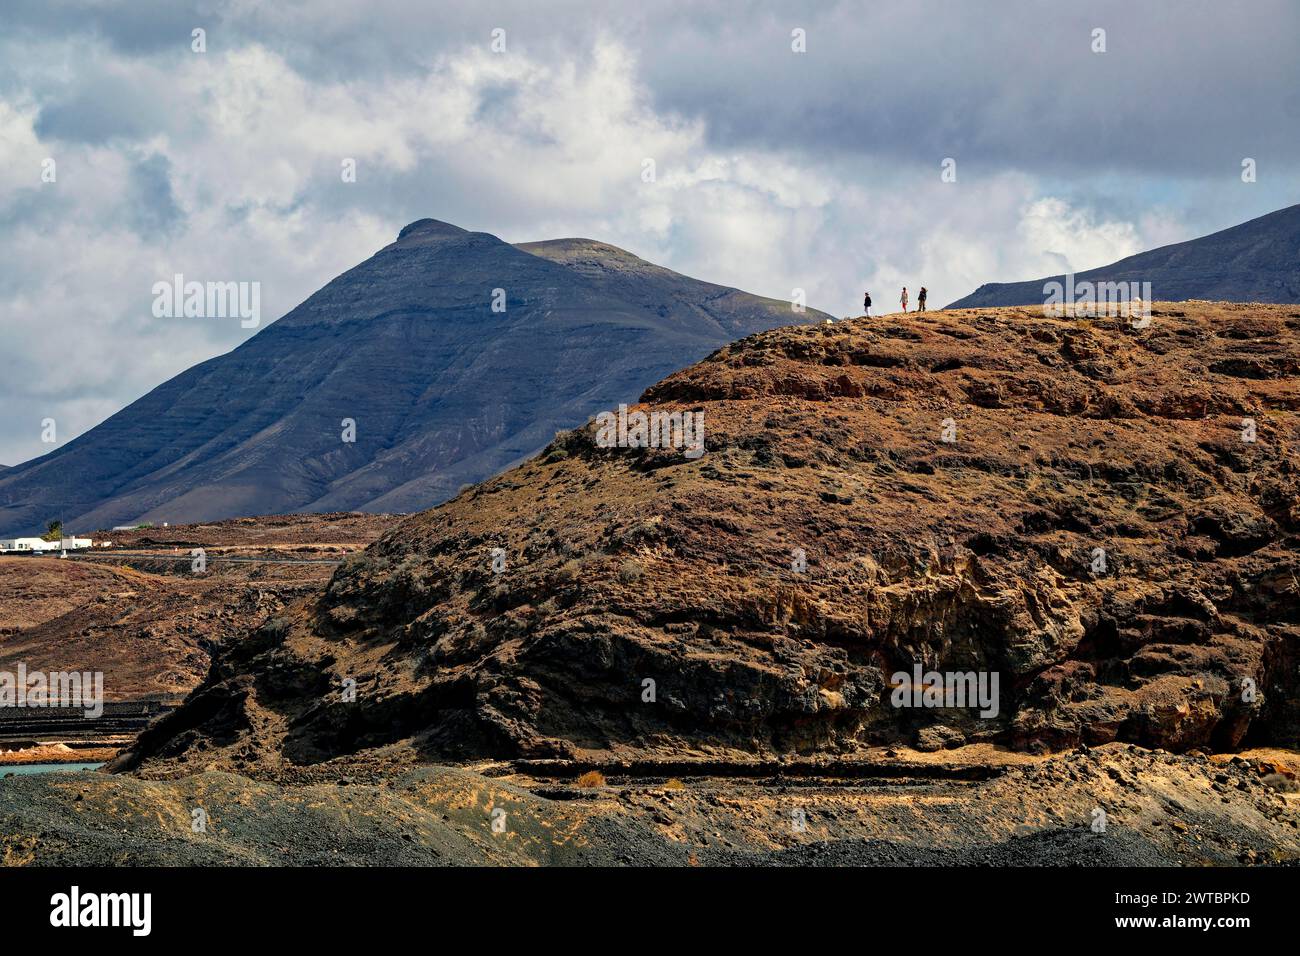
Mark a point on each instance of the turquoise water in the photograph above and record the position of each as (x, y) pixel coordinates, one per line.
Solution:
(27, 768)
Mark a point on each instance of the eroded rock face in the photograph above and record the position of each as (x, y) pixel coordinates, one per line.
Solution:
(1099, 534)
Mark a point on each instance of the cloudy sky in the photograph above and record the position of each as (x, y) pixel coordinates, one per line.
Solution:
(775, 169)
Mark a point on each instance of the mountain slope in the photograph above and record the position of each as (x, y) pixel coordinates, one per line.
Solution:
(1257, 261)
(443, 390)
(1098, 535)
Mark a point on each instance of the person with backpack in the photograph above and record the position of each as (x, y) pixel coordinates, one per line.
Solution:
(866, 304)
(920, 300)
(904, 298)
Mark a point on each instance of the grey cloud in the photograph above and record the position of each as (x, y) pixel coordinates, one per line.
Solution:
(93, 114)
(1182, 88)
(1185, 87)
(140, 27)
(151, 205)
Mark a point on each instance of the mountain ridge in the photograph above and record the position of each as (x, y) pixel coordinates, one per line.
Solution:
(443, 390)
(1254, 261)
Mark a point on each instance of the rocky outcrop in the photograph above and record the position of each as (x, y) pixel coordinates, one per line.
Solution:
(1102, 518)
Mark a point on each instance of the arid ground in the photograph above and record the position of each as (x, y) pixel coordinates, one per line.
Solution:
(138, 613)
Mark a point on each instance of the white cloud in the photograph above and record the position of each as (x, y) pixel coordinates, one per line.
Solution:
(1057, 238)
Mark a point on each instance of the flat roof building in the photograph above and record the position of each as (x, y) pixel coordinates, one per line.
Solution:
(28, 545)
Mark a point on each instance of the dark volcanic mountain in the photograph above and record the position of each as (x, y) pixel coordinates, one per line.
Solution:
(444, 391)
(1258, 261)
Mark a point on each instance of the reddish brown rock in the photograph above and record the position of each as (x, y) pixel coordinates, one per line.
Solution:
(627, 565)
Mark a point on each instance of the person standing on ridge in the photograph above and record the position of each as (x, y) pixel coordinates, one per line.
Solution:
(920, 300)
(866, 304)
(904, 298)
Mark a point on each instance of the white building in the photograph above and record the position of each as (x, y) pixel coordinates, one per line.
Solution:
(28, 545)
(23, 544)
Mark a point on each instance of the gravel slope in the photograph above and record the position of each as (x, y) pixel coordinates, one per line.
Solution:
(1162, 809)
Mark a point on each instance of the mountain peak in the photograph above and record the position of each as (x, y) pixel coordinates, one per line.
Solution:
(445, 388)
(431, 227)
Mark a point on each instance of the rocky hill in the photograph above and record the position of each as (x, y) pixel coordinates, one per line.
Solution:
(1103, 518)
(1257, 261)
(442, 390)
